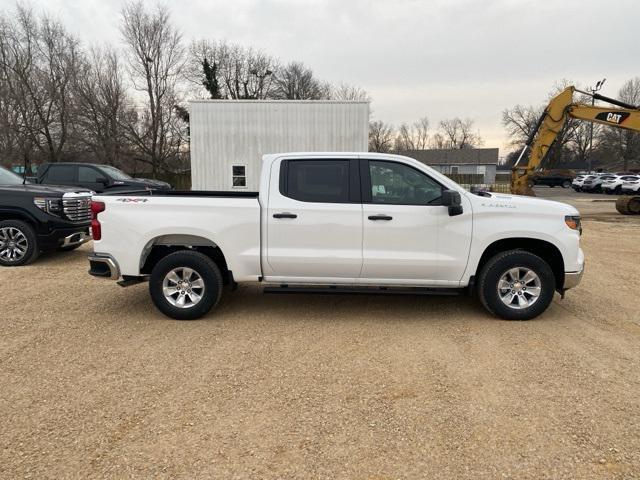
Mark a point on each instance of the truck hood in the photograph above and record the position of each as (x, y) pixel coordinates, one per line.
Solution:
(521, 204)
(36, 189)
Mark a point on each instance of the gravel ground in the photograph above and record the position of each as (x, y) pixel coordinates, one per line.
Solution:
(94, 383)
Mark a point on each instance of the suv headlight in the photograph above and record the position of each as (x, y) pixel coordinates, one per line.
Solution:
(52, 206)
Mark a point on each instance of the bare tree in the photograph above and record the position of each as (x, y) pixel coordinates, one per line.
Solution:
(380, 137)
(347, 92)
(101, 106)
(38, 62)
(624, 144)
(413, 137)
(438, 141)
(459, 134)
(156, 57)
(297, 82)
(519, 122)
(231, 71)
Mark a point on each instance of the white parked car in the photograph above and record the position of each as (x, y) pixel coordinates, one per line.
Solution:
(614, 185)
(340, 222)
(631, 186)
(593, 183)
(576, 183)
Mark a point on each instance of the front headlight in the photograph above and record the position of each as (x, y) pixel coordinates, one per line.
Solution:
(52, 206)
(573, 222)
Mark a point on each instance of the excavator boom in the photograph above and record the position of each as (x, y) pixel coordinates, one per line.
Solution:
(560, 108)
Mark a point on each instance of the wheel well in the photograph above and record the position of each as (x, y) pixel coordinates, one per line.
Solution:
(158, 252)
(543, 249)
(16, 216)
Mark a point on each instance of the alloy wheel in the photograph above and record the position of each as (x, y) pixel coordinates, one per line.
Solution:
(13, 244)
(183, 287)
(519, 287)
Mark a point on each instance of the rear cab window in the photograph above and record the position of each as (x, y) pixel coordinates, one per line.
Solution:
(319, 181)
(60, 173)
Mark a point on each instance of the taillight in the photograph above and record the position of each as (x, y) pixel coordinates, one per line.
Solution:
(96, 229)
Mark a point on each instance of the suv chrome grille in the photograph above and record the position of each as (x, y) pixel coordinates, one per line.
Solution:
(77, 209)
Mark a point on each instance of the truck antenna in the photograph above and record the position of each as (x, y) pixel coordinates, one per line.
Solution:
(24, 173)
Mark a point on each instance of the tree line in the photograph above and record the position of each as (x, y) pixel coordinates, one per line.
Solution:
(455, 133)
(125, 104)
(579, 142)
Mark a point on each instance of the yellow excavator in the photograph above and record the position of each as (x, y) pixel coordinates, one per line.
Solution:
(560, 108)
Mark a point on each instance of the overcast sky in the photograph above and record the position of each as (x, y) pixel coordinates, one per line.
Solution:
(439, 58)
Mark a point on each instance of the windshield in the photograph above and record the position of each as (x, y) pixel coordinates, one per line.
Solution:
(114, 173)
(9, 178)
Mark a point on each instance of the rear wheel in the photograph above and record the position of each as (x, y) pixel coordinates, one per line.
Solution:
(516, 285)
(185, 285)
(566, 184)
(18, 243)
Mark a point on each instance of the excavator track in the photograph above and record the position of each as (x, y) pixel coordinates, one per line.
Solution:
(628, 205)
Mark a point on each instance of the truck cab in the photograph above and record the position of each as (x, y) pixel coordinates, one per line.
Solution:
(342, 221)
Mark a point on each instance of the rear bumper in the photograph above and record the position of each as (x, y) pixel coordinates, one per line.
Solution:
(104, 266)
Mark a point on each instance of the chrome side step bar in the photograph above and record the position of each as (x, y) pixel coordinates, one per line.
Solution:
(346, 290)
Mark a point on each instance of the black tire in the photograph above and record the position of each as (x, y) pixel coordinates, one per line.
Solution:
(204, 267)
(566, 184)
(32, 250)
(497, 266)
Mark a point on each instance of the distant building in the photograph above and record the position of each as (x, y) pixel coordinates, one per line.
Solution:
(229, 137)
(473, 165)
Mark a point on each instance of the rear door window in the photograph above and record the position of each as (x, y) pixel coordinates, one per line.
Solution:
(60, 174)
(321, 181)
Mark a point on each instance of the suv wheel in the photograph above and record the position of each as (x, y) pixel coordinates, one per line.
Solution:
(516, 285)
(18, 243)
(185, 285)
(566, 184)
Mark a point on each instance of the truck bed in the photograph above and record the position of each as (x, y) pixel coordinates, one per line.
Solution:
(133, 222)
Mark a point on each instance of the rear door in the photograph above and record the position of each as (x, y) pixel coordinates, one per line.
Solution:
(314, 220)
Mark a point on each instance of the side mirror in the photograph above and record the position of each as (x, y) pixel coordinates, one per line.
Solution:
(103, 181)
(452, 200)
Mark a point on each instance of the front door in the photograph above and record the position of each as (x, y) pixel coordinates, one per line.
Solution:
(91, 178)
(314, 221)
(407, 234)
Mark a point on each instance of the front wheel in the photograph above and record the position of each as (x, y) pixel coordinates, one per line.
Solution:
(566, 184)
(18, 243)
(185, 285)
(516, 285)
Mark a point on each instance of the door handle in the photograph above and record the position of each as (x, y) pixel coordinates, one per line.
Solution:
(380, 217)
(285, 215)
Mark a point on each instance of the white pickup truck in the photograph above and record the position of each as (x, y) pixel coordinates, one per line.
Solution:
(340, 222)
